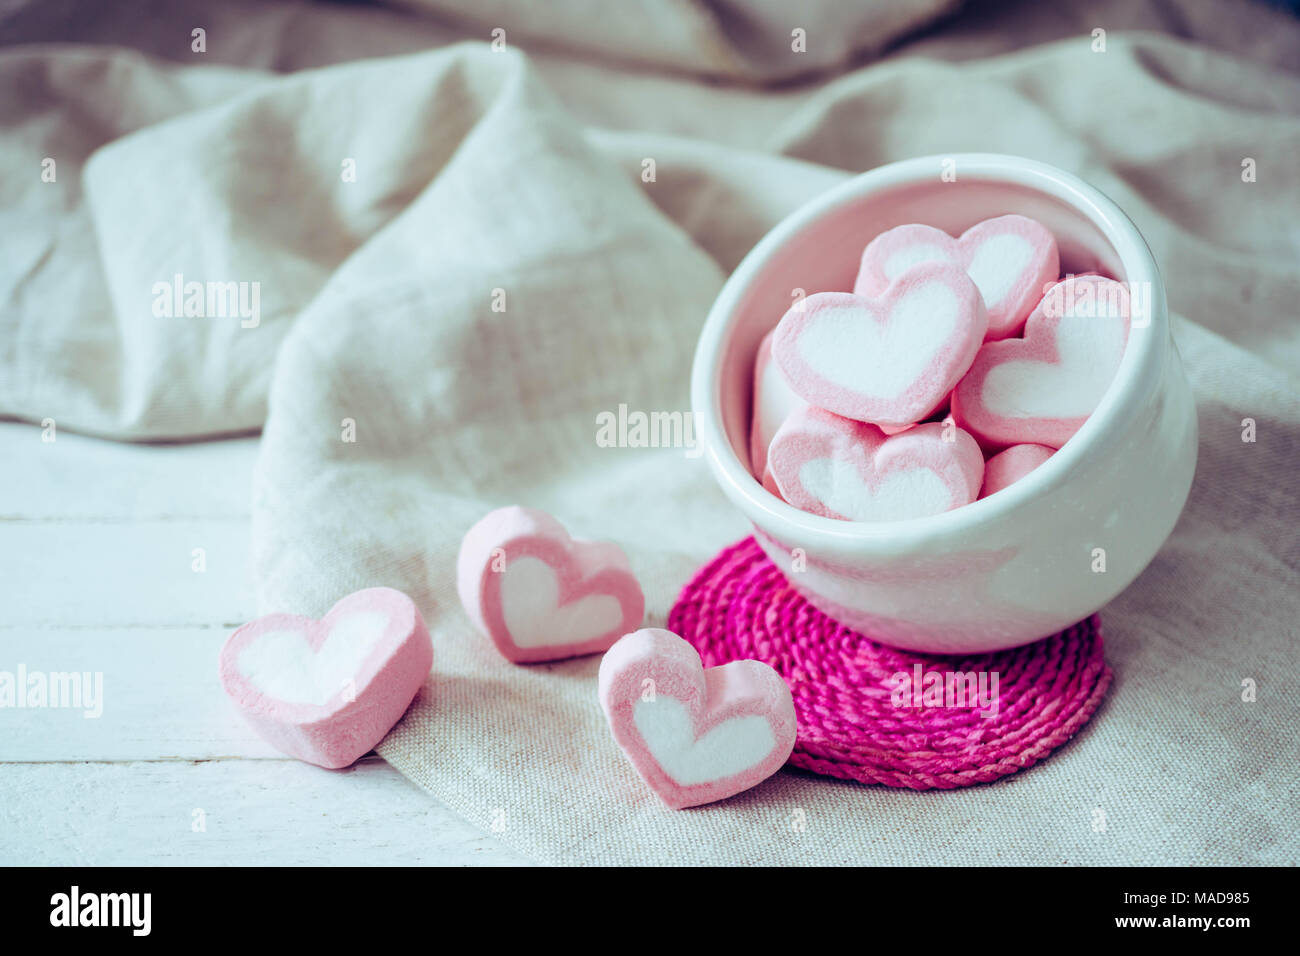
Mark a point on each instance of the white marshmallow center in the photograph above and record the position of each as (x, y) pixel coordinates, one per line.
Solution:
(1089, 349)
(997, 264)
(530, 603)
(282, 665)
(731, 747)
(852, 350)
(838, 485)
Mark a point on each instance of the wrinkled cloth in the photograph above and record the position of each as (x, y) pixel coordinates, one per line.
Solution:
(747, 40)
(460, 262)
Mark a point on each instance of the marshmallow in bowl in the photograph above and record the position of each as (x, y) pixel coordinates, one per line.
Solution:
(889, 359)
(774, 401)
(1042, 388)
(1011, 259)
(1009, 466)
(839, 468)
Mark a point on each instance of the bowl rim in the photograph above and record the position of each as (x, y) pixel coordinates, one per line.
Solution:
(1119, 405)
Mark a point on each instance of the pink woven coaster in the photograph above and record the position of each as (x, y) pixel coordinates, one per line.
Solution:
(846, 689)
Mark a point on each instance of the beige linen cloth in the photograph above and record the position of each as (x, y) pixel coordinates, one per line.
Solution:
(501, 269)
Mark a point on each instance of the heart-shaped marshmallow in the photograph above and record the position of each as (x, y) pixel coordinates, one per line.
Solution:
(1042, 388)
(541, 595)
(838, 468)
(327, 691)
(774, 400)
(694, 735)
(889, 360)
(1009, 466)
(1011, 259)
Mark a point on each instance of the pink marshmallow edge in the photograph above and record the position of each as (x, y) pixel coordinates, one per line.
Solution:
(773, 401)
(713, 696)
(340, 732)
(581, 568)
(757, 446)
(1007, 467)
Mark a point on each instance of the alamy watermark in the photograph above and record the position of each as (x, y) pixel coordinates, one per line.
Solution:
(1093, 299)
(130, 910)
(638, 429)
(208, 300)
(920, 688)
(54, 690)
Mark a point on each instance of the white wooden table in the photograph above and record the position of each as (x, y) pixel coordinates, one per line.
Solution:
(98, 574)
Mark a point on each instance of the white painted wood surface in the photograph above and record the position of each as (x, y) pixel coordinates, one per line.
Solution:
(97, 575)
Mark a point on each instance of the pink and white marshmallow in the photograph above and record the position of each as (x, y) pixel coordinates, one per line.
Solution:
(541, 595)
(889, 359)
(774, 401)
(832, 466)
(1011, 259)
(694, 735)
(1009, 466)
(328, 691)
(1042, 388)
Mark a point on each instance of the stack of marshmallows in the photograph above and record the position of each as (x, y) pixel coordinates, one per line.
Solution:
(954, 368)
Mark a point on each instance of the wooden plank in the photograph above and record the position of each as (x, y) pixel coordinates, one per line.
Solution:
(79, 477)
(264, 812)
(96, 552)
(158, 698)
(87, 573)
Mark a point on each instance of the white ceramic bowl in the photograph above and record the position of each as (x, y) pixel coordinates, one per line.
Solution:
(1019, 565)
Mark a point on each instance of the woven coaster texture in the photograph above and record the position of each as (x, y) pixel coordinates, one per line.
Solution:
(858, 718)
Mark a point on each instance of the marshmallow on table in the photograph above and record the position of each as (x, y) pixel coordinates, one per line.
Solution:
(1011, 259)
(838, 468)
(541, 595)
(774, 400)
(1009, 466)
(328, 691)
(890, 359)
(1042, 388)
(695, 735)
